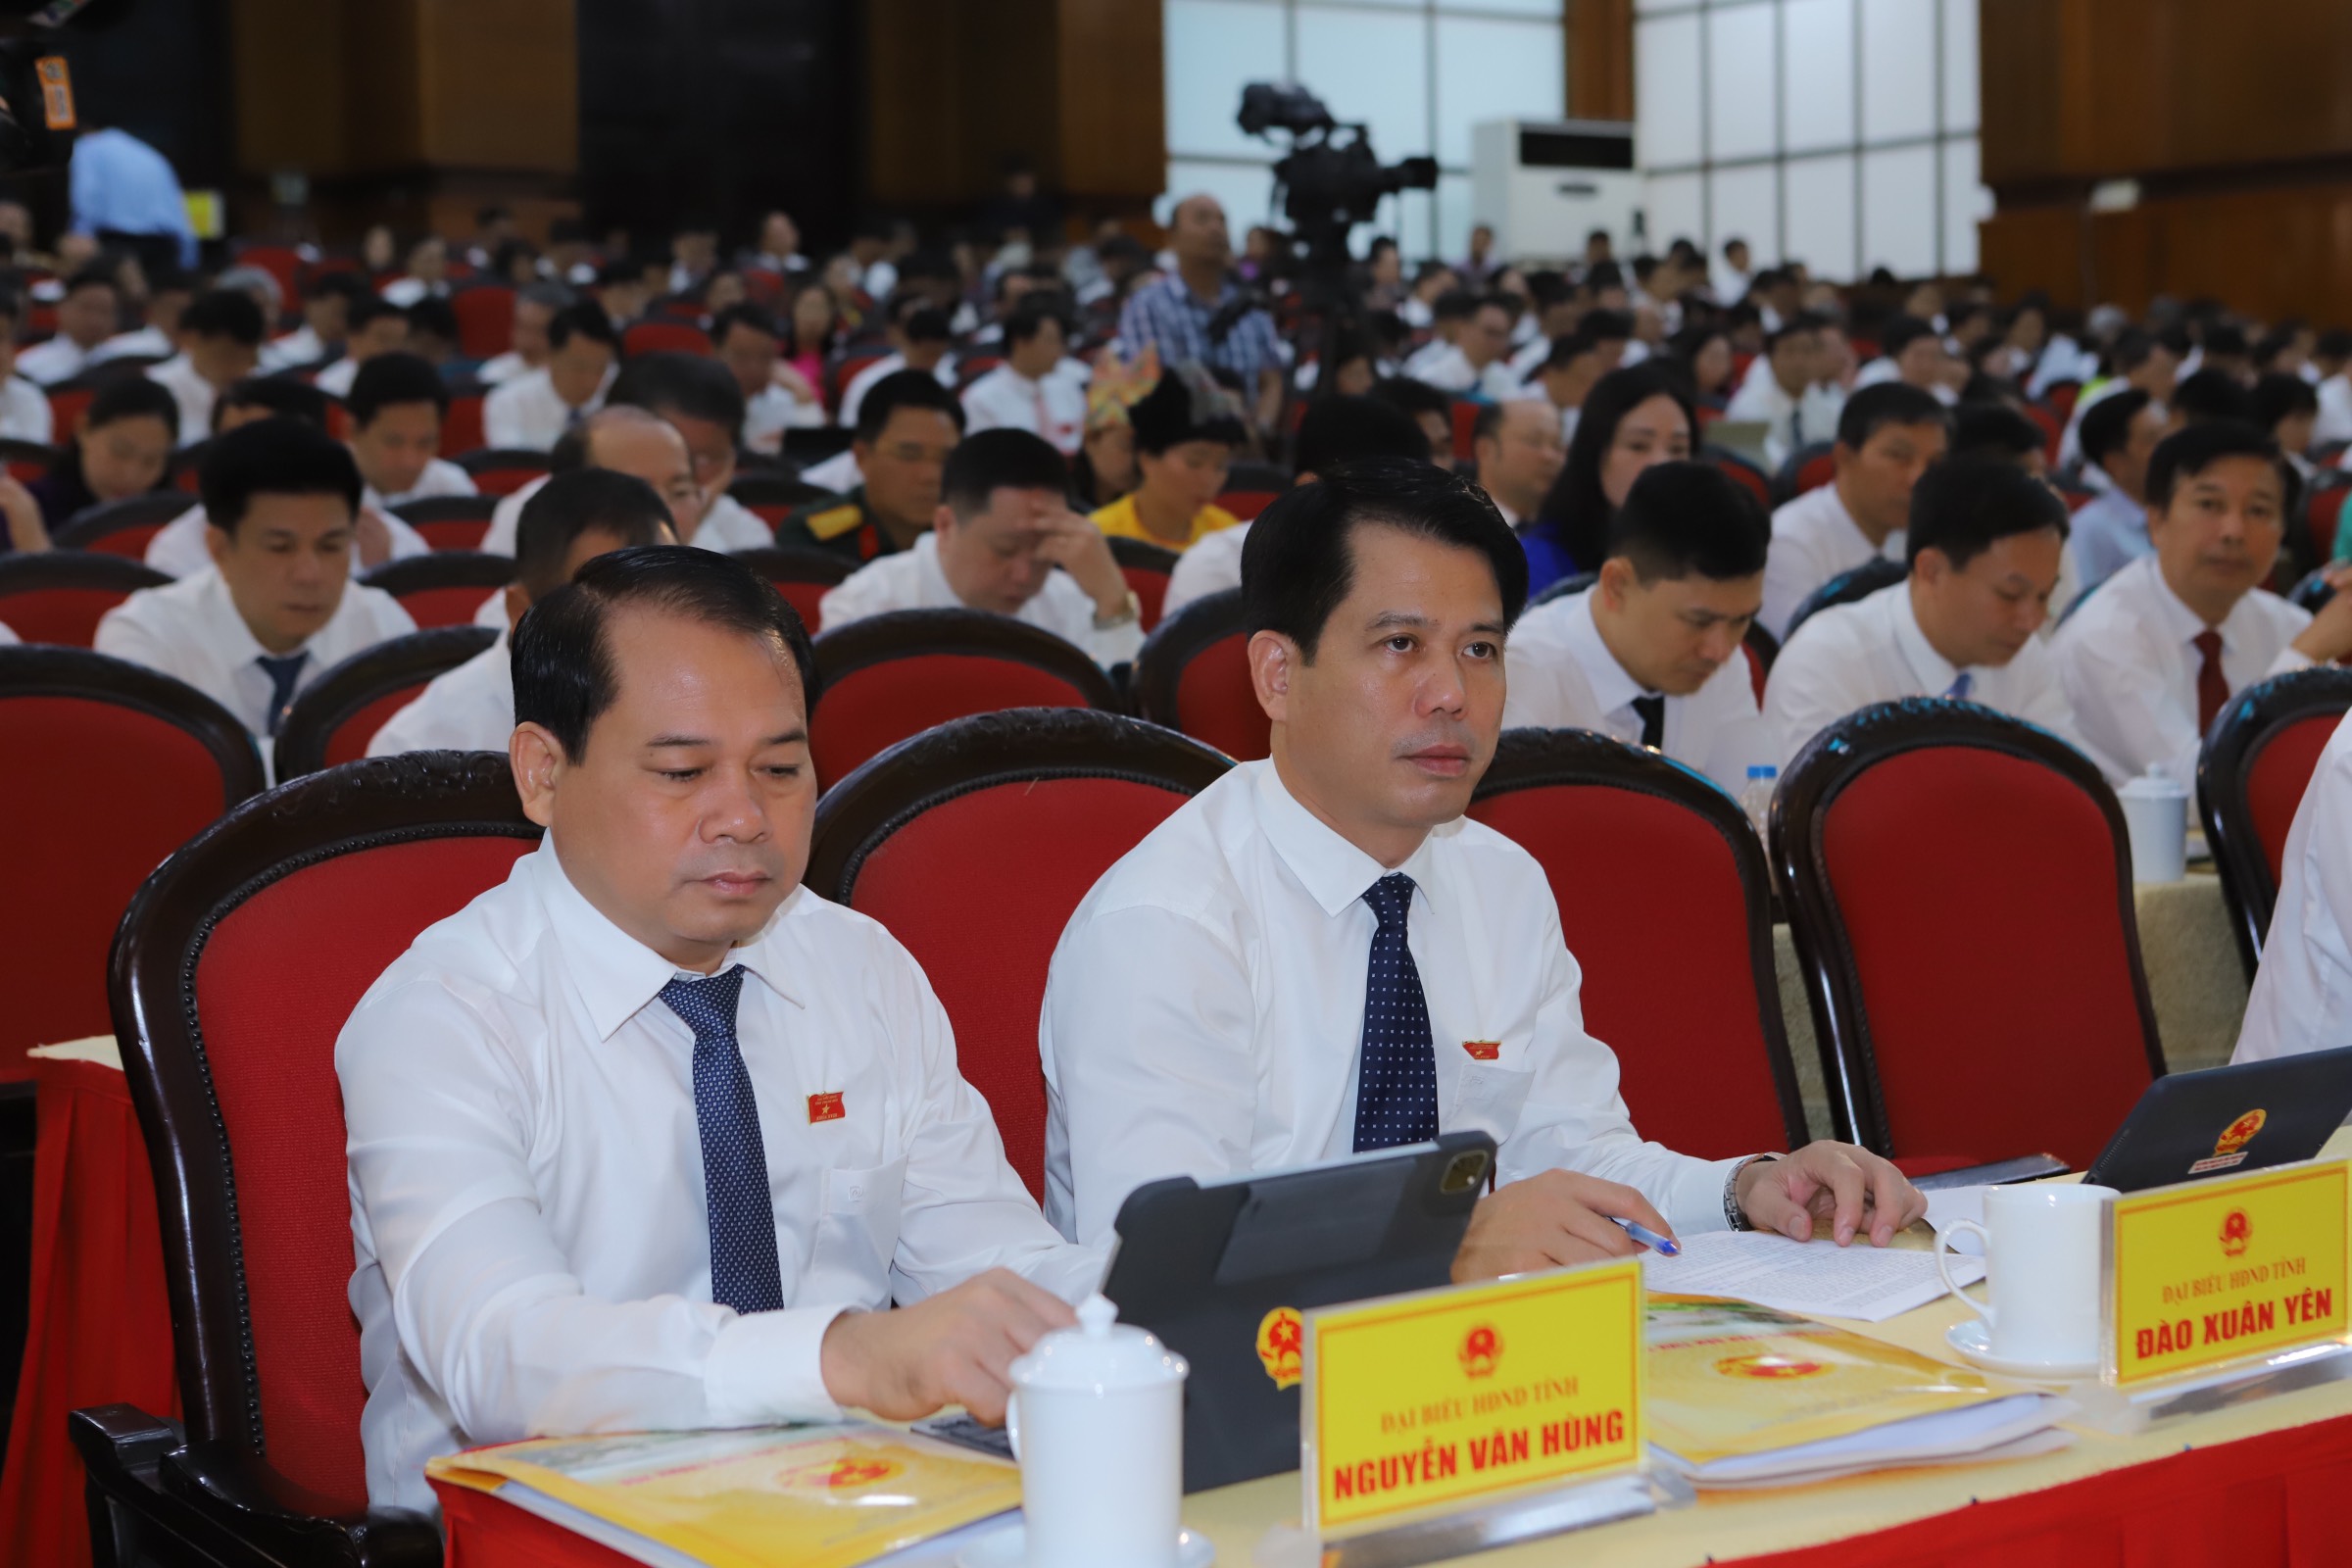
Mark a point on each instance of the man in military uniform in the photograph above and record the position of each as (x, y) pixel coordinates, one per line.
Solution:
(907, 426)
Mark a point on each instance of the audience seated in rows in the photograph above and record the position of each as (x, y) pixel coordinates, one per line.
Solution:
(532, 410)
(220, 342)
(2119, 434)
(25, 412)
(1786, 392)
(328, 298)
(1037, 389)
(530, 333)
(1633, 418)
(89, 314)
(906, 427)
(1520, 455)
(1887, 436)
(919, 338)
(376, 326)
(749, 344)
(122, 449)
(1186, 431)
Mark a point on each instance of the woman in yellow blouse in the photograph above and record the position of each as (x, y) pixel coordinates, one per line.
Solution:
(1185, 433)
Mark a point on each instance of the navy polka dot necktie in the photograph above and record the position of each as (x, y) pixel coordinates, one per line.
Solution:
(1397, 1087)
(744, 1273)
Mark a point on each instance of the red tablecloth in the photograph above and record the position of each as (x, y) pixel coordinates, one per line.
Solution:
(101, 1327)
(2272, 1502)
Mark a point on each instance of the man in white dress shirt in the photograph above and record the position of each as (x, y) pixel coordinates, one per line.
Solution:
(1911, 351)
(1211, 1010)
(1985, 542)
(1003, 524)
(569, 521)
(649, 1136)
(535, 309)
(90, 313)
(1478, 362)
(377, 327)
(1784, 392)
(2111, 530)
(2303, 990)
(1562, 375)
(1519, 454)
(1887, 436)
(278, 609)
(1034, 389)
(920, 337)
(1650, 653)
(24, 406)
(534, 410)
(749, 345)
(2153, 655)
(220, 341)
(326, 302)
(397, 403)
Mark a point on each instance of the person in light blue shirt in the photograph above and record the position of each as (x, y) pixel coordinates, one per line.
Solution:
(2111, 533)
(123, 187)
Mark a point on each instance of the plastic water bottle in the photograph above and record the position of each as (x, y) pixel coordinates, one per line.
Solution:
(1756, 799)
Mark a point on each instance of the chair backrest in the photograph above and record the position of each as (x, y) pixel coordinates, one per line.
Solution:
(2322, 511)
(1741, 469)
(337, 714)
(2256, 762)
(2061, 397)
(1034, 806)
(1465, 429)
(1809, 468)
(772, 496)
(445, 588)
(26, 461)
(461, 426)
(1146, 566)
(69, 401)
(2052, 425)
(803, 576)
(1960, 895)
(135, 766)
(665, 337)
(845, 371)
(485, 314)
(281, 262)
(503, 470)
(1666, 902)
(123, 527)
(1848, 588)
(888, 677)
(60, 595)
(1193, 675)
(450, 522)
(1574, 582)
(233, 1076)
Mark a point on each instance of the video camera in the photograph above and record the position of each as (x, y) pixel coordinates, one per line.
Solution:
(1331, 178)
(38, 117)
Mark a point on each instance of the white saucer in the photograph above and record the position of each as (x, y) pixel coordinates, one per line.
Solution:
(1971, 1341)
(1010, 1548)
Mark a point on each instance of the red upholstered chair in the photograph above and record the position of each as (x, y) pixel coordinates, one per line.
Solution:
(2257, 761)
(665, 337)
(1849, 588)
(232, 1071)
(770, 495)
(69, 401)
(1250, 487)
(281, 262)
(1761, 648)
(337, 714)
(123, 527)
(1808, 469)
(1960, 895)
(2052, 425)
(445, 588)
(187, 464)
(502, 470)
(450, 522)
(1193, 675)
(803, 576)
(2322, 511)
(1666, 901)
(845, 371)
(888, 677)
(1465, 429)
(1740, 468)
(2061, 397)
(1147, 567)
(461, 426)
(485, 314)
(26, 461)
(1032, 804)
(75, 842)
(60, 595)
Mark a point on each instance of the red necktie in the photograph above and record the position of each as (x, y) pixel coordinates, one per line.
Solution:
(2213, 687)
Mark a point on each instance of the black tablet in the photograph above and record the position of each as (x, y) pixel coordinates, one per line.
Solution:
(1222, 1274)
(2227, 1119)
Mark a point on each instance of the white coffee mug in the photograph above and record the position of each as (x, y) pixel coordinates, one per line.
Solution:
(1096, 1420)
(2156, 822)
(2042, 1257)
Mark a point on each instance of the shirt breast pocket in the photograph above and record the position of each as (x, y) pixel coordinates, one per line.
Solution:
(856, 1235)
(1489, 1098)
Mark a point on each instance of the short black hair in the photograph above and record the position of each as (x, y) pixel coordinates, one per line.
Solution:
(434, 315)
(391, 378)
(695, 385)
(2190, 452)
(2333, 344)
(1801, 322)
(2279, 396)
(281, 395)
(587, 319)
(903, 389)
(2224, 338)
(224, 313)
(746, 314)
(1164, 419)
(94, 275)
(1003, 459)
(345, 286)
(2209, 395)
(1689, 519)
(1873, 409)
(564, 677)
(1298, 564)
(1454, 304)
(1995, 429)
(2131, 350)
(2106, 425)
(929, 324)
(1339, 429)
(1964, 504)
(569, 505)
(274, 457)
(1029, 315)
(367, 311)
(1899, 332)
(132, 397)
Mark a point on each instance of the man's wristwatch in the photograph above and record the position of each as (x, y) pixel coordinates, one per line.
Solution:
(1734, 1216)
(1132, 611)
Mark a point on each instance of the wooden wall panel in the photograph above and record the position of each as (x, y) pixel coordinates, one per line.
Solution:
(1113, 124)
(499, 85)
(1600, 59)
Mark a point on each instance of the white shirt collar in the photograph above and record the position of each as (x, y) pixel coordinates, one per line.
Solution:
(2182, 624)
(236, 638)
(1934, 673)
(1335, 872)
(1613, 688)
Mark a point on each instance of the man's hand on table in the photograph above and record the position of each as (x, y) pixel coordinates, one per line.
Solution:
(1845, 1189)
(1550, 1219)
(956, 1347)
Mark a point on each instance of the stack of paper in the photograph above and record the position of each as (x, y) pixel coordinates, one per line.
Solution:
(1817, 1276)
(1741, 1395)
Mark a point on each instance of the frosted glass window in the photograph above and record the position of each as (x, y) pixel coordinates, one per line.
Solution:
(1960, 85)
(1746, 204)
(1898, 69)
(1676, 210)
(1966, 204)
(1243, 190)
(1817, 74)
(1454, 216)
(1370, 66)
(1415, 219)
(1211, 49)
(1525, 8)
(1662, 5)
(1820, 226)
(1489, 70)
(1898, 210)
(1743, 101)
(1666, 89)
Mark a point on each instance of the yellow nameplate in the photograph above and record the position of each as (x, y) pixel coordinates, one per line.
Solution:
(1442, 1397)
(2216, 1271)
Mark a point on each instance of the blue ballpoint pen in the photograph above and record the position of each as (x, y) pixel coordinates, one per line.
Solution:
(1665, 1246)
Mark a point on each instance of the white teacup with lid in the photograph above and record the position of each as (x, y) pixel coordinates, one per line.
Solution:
(1096, 1419)
(2156, 820)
